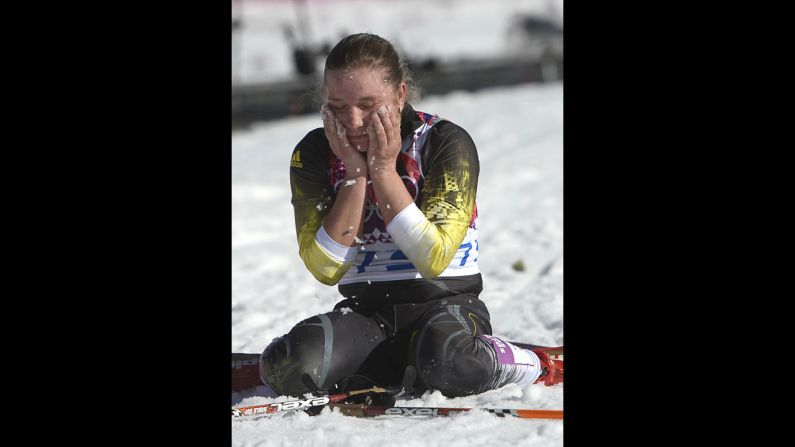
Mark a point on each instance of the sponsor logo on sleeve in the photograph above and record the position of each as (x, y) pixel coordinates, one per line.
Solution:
(295, 161)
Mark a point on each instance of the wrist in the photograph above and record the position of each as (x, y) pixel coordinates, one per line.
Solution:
(379, 173)
(355, 164)
(354, 169)
(358, 176)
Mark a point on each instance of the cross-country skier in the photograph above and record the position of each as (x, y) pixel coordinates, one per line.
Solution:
(384, 202)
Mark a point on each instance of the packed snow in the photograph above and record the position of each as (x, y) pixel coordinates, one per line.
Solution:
(519, 135)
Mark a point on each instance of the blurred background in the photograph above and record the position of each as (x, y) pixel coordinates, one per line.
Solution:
(279, 46)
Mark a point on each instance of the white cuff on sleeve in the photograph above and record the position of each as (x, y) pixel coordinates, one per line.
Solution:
(335, 250)
(409, 227)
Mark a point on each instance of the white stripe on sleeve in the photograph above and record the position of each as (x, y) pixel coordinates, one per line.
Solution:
(337, 251)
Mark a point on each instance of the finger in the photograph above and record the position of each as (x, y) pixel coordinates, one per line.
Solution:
(389, 127)
(395, 115)
(386, 121)
(371, 136)
(372, 147)
(380, 132)
(342, 135)
(396, 125)
(333, 128)
(329, 128)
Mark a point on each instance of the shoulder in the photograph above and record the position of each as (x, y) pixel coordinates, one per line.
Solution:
(314, 140)
(311, 152)
(447, 139)
(440, 130)
(314, 144)
(444, 141)
(448, 129)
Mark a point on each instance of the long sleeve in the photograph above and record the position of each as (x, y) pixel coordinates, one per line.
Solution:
(312, 197)
(430, 233)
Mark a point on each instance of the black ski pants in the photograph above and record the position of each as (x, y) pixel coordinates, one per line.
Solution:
(377, 331)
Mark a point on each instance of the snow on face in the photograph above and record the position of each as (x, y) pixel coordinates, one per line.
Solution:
(354, 94)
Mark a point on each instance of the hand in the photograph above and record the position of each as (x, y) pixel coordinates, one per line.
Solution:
(355, 161)
(385, 141)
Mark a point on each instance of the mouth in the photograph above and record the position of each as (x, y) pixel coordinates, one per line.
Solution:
(358, 139)
(360, 143)
(359, 133)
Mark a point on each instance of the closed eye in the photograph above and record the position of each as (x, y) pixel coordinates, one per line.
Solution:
(341, 108)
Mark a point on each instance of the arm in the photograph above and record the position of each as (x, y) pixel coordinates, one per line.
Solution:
(343, 224)
(429, 234)
(328, 227)
(385, 141)
(312, 198)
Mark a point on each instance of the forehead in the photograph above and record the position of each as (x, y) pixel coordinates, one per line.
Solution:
(357, 83)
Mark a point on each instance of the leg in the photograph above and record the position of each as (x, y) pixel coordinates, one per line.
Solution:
(448, 352)
(328, 347)
(456, 354)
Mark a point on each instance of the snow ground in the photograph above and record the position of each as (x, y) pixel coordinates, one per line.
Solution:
(519, 135)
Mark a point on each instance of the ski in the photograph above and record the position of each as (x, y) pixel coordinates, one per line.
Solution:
(313, 405)
(551, 350)
(377, 402)
(362, 410)
(301, 404)
(245, 374)
(554, 373)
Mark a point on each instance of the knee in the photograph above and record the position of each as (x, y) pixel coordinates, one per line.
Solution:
(456, 367)
(310, 349)
(274, 364)
(281, 367)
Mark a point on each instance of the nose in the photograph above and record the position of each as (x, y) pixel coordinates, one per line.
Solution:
(354, 118)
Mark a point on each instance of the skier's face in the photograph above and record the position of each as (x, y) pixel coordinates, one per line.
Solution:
(353, 95)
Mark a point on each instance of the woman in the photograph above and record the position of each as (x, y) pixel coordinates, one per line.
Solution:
(384, 201)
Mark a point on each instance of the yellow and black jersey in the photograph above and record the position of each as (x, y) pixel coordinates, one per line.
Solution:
(434, 237)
